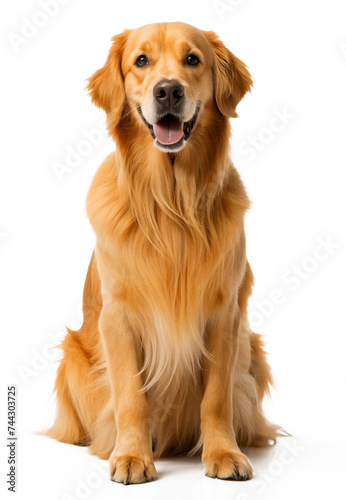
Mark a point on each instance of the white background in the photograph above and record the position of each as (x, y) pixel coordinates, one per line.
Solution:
(296, 52)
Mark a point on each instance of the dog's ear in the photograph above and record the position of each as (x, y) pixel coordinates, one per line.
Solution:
(106, 85)
(231, 77)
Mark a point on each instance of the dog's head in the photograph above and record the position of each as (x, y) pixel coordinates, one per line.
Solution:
(166, 75)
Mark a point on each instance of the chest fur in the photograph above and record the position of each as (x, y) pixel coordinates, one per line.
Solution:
(162, 254)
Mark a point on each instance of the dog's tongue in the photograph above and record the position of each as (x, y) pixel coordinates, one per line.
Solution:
(169, 130)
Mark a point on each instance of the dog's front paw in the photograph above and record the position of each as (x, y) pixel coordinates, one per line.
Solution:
(227, 465)
(131, 470)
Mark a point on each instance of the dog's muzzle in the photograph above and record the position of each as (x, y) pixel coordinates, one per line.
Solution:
(170, 131)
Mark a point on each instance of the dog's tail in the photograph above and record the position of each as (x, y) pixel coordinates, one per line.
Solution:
(78, 387)
(266, 432)
(260, 368)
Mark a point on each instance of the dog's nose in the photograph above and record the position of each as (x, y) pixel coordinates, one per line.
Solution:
(168, 92)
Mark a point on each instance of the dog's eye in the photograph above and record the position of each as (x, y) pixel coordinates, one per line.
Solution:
(192, 60)
(142, 61)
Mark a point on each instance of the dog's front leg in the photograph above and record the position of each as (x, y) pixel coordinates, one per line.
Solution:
(221, 455)
(131, 460)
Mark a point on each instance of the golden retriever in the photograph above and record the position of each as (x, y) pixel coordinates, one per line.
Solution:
(165, 362)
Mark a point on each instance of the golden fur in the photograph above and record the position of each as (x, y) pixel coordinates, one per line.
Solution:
(165, 362)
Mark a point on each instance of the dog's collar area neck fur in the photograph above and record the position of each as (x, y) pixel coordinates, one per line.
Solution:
(172, 157)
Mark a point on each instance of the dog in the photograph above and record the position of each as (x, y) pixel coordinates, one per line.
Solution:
(165, 362)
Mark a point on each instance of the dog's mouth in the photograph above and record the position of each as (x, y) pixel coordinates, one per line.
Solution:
(170, 133)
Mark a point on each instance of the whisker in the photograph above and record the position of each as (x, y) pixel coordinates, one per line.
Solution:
(127, 114)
